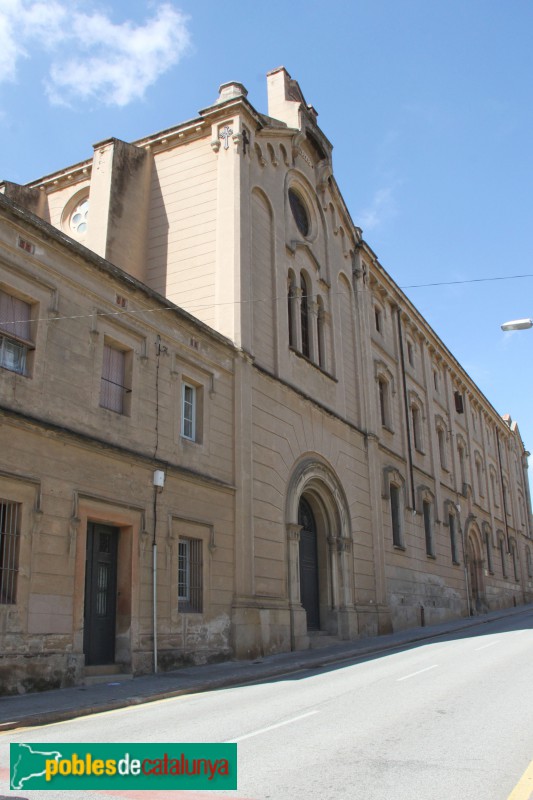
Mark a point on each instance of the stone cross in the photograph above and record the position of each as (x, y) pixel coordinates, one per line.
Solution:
(225, 133)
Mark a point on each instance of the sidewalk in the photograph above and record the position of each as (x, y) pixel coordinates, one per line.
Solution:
(62, 704)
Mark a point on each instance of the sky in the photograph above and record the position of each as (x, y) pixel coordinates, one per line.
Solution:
(429, 106)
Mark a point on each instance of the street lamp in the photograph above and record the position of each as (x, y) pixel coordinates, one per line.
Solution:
(517, 325)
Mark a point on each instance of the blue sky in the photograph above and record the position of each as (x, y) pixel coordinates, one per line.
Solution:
(429, 106)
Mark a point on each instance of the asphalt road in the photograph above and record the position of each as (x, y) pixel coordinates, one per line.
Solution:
(445, 719)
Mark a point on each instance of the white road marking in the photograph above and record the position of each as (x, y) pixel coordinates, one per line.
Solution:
(419, 672)
(271, 727)
(490, 644)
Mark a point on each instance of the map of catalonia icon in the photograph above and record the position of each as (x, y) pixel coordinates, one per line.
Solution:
(28, 763)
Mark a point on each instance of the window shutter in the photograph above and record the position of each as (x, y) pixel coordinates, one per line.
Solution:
(14, 316)
(113, 372)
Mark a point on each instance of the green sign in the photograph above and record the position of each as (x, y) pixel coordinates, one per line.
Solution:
(125, 766)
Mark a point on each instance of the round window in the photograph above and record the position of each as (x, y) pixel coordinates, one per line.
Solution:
(299, 212)
(79, 217)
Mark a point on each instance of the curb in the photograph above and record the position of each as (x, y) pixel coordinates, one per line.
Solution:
(321, 660)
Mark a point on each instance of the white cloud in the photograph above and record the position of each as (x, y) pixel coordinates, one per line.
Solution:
(11, 49)
(382, 206)
(114, 63)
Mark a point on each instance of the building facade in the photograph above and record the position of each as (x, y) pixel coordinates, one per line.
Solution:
(225, 431)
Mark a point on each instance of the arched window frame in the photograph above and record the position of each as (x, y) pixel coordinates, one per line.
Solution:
(487, 538)
(385, 389)
(394, 493)
(478, 461)
(452, 523)
(321, 333)
(494, 486)
(426, 508)
(442, 436)
(501, 547)
(417, 420)
(462, 454)
(305, 315)
(514, 556)
(292, 309)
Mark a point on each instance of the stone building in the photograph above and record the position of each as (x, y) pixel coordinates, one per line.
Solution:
(225, 431)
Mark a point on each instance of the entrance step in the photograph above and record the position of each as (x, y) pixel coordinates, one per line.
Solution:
(105, 673)
(318, 639)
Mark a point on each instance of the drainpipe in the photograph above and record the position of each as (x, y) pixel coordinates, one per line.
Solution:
(406, 407)
(159, 482)
(154, 580)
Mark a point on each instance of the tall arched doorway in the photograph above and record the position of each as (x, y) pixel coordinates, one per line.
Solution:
(476, 589)
(320, 584)
(308, 555)
(473, 575)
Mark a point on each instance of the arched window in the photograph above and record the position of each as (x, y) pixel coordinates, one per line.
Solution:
(502, 556)
(441, 439)
(305, 315)
(396, 510)
(453, 538)
(494, 487)
(416, 420)
(529, 563)
(462, 463)
(506, 497)
(299, 212)
(384, 404)
(488, 548)
(427, 511)
(321, 333)
(291, 308)
(385, 390)
(479, 476)
(394, 493)
(514, 556)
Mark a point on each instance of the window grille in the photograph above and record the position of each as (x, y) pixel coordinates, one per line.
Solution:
(9, 543)
(15, 331)
(113, 389)
(190, 569)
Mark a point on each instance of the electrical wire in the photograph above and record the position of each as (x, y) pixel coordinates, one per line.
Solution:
(468, 280)
(195, 308)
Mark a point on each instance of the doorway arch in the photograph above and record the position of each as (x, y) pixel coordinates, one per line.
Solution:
(308, 563)
(319, 554)
(475, 566)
